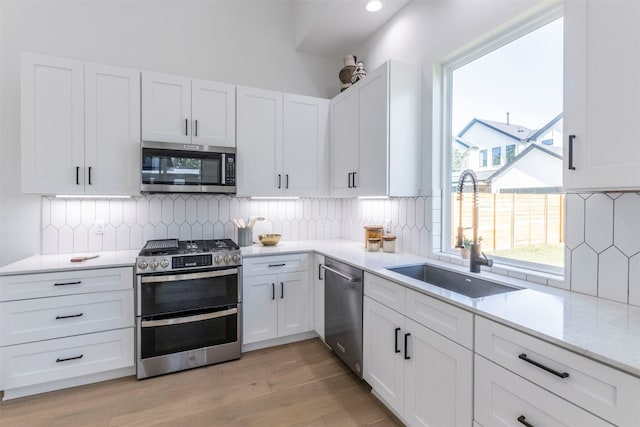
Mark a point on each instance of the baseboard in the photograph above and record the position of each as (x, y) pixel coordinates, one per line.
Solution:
(278, 341)
(69, 382)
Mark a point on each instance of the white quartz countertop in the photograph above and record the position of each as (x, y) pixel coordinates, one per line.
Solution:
(603, 330)
(61, 262)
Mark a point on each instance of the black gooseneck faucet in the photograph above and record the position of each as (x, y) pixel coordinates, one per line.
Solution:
(477, 258)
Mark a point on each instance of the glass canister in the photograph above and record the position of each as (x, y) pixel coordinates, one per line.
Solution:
(373, 245)
(372, 232)
(389, 243)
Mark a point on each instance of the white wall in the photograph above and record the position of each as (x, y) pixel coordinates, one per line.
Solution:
(244, 42)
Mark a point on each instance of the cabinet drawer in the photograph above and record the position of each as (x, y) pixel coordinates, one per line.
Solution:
(607, 392)
(46, 318)
(41, 362)
(385, 291)
(65, 283)
(452, 322)
(275, 264)
(503, 399)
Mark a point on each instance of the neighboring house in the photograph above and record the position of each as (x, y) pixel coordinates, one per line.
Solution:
(491, 147)
(523, 175)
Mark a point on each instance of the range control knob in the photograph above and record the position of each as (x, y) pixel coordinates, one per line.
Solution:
(236, 258)
(142, 265)
(217, 259)
(153, 264)
(164, 263)
(227, 258)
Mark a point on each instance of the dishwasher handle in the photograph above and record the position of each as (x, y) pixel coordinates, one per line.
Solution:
(341, 274)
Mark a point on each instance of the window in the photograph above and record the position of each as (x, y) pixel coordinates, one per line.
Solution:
(496, 153)
(483, 158)
(547, 142)
(510, 152)
(504, 90)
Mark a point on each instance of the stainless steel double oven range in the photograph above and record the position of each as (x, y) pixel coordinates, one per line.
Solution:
(189, 304)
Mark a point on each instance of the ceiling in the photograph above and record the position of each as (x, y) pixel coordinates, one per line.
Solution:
(335, 28)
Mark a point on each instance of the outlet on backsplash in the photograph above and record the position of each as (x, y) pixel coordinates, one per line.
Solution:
(99, 227)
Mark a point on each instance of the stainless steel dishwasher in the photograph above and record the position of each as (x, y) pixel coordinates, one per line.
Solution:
(343, 312)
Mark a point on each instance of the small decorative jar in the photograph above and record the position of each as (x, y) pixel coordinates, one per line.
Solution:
(373, 245)
(372, 232)
(389, 243)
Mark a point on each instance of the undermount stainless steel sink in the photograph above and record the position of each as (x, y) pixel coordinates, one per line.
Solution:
(470, 286)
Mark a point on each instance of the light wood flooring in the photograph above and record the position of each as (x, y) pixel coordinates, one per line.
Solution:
(300, 384)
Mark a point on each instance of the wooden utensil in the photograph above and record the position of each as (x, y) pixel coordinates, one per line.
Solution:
(84, 258)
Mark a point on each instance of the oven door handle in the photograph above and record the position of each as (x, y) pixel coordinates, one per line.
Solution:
(188, 319)
(188, 276)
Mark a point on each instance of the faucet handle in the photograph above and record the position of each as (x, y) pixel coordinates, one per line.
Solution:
(488, 261)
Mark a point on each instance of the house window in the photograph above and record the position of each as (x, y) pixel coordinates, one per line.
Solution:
(496, 153)
(507, 89)
(483, 158)
(547, 142)
(510, 152)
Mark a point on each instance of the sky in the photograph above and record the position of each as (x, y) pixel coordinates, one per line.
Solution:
(523, 78)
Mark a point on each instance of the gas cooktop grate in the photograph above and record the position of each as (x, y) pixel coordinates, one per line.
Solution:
(161, 244)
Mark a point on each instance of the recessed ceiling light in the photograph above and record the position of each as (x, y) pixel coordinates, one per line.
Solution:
(374, 5)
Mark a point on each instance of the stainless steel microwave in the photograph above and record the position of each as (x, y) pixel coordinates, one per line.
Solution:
(187, 168)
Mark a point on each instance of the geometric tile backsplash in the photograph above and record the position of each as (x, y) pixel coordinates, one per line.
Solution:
(603, 245)
(602, 229)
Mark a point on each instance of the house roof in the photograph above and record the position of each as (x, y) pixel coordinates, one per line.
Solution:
(551, 151)
(515, 131)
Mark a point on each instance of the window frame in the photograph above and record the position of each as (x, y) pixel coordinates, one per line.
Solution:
(443, 73)
(484, 159)
(496, 153)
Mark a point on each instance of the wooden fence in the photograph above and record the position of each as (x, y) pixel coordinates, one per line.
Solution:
(510, 220)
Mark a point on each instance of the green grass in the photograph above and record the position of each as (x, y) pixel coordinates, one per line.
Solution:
(552, 254)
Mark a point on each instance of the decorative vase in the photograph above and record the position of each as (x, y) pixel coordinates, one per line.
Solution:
(347, 71)
(464, 253)
(359, 73)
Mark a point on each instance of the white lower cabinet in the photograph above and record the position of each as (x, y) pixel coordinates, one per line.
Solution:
(505, 399)
(65, 328)
(422, 376)
(278, 304)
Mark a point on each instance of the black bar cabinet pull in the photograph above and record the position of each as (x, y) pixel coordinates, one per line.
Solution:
(279, 181)
(67, 283)
(320, 272)
(70, 316)
(281, 290)
(273, 291)
(196, 133)
(286, 181)
(406, 352)
(186, 126)
(277, 265)
(89, 175)
(571, 139)
(69, 358)
(349, 180)
(354, 179)
(396, 348)
(524, 357)
(77, 175)
(522, 418)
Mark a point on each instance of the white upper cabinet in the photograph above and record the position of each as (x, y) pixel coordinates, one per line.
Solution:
(112, 130)
(375, 134)
(305, 145)
(601, 95)
(52, 125)
(259, 145)
(178, 109)
(281, 143)
(80, 128)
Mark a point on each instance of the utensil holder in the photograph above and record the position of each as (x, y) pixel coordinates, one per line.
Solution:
(245, 236)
